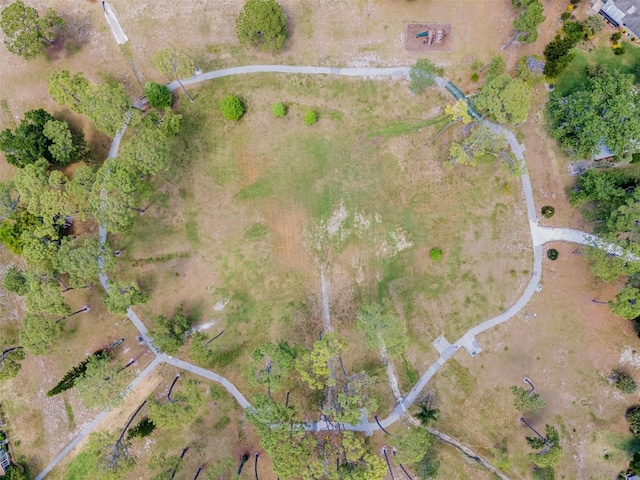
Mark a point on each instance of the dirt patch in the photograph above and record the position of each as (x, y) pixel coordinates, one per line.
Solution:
(429, 37)
(288, 224)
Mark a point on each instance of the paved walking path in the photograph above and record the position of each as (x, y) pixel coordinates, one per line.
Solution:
(539, 235)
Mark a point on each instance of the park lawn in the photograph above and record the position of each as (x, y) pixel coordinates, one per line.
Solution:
(255, 208)
(576, 73)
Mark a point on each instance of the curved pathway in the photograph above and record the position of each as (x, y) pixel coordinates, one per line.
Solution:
(540, 235)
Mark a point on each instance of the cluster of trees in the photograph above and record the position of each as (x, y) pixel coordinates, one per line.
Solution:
(531, 15)
(168, 334)
(27, 34)
(610, 198)
(504, 99)
(559, 52)
(606, 111)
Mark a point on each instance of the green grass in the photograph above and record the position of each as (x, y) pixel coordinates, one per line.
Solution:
(191, 228)
(256, 231)
(70, 415)
(259, 189)
(575, 75)
(399, 129)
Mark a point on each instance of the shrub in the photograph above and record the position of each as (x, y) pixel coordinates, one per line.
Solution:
(475, 77)
(620, 50)
(552, 254)
(279, 109)
(435, 254)
(633, 417)
(310, 117)
(231, 107)
(565, 16)
(616, 36)
(142, 429)
(623, 382)
(548, 211)
(159, 96)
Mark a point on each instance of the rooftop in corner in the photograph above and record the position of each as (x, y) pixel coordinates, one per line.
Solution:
(620, 13)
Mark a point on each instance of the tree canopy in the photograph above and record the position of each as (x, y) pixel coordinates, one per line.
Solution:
(173, 63)
(39, 336)
(525, 401)
(159, 96)
(527, 22)
(78, 257)
(551, 450)
(10, 365)
(604, 112)
(102, 384)
(505, 99)
(168, 334)
(187, 402)
(273, 361)
(412, 444)
(26, 33)
(422, 75)
(122, 295)
(482, 144)
(313, 364)
(262, 24)
(382, 328)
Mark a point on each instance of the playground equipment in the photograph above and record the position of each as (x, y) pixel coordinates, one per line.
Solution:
(422, 34)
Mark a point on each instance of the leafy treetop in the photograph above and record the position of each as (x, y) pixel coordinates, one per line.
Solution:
(262, 24)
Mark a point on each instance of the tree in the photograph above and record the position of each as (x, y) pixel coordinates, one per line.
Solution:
(65, 147)
(79, 259)
(558, 53)
(352, 398)
(15, 281)
(27, 143)
(605, 112)
(112, 201)
(360, 463)
(551, 451)
(44, 295)
(122, 295)
(40, 336)
(382, 328)
(506, 100)
(527, 401)
(38, 251)
(626, 304)
(422, 75)
(27, 35)
(231, 107)
(412, 444)
(159, 96)
(8, 200)
(147, 152)
(496, 67)
(102, 384)
(623, 382)
(482, 143)
(593, 24)
(459, 111)
(10, 365)
(187, 401)
(174, 63)
(313, 364)
(199, 352)
(93, 456)
(279, 109)
(427, 413)
(168, 465)
(69, 379)
(262, 24)
(168, 334)
(274, 363)
(527, 22)
(104, 104)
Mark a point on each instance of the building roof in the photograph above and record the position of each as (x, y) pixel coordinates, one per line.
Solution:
(623, 13)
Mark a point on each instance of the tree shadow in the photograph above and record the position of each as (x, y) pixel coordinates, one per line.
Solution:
(73, 37)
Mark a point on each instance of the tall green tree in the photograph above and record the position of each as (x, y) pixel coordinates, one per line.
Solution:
(199, 351)
(102, 384)
(78, 257)
(382, 328)
(594, 24)
(627, 304)
(39, 336)
(273, 361)
(10, 365)
(422, 75)
(168, 334)
(166, 466)
(353, 396)
(606, 111)
(481, 144)
(15, 281)
(27, 143)
(147, 152)
(525, 401)
(312, 365)
(187, 402)
(113, 196)
(44, 295)
(412, 444)
(122, 295)
(551, 450)
(262, 24)
(26, 33)
(504, 99)
(527, 22)
(158, 95)
(65, 147)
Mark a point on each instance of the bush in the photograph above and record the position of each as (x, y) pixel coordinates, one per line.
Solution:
(548, 211)
(616, 36)
(435, 254)
(15, 281)
(279, 109)
(231, 107)
(544, 473)
(552, 254)
(619, 50)
(310, 117)
(623, 382)
(633, 417)
(475, 77)
(159, 96)
(262, 24)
